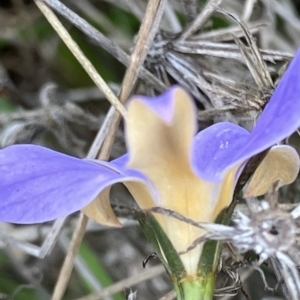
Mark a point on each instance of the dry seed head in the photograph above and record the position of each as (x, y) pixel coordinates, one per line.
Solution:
(267, 232)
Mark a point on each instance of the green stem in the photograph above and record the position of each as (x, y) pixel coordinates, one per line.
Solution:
(196, 288)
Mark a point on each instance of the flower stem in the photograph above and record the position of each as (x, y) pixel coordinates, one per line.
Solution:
(199, 288)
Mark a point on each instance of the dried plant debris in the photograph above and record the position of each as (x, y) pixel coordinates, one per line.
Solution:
(187, 70)
(192, 64)
(53, 116)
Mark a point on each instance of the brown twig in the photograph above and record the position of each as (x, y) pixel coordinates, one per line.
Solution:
(147, 32)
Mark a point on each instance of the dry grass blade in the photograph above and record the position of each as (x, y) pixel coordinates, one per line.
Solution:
(206, 114)
(225, 34)
(201, 19)
(65, 272)
(102, 41)
(85, 63)
(148, 29)
(195, 46)
(251, 64)
(52, 237)
(119, 286)
(102, 133)
(256, 64)
(224, 50)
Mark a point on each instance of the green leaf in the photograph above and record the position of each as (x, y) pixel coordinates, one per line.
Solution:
(10, 284)
(99, 272)
(6, 105)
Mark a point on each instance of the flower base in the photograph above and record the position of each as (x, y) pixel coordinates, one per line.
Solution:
(195, 288)
(187, 287)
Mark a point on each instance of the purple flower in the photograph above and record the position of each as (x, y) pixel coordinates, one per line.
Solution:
(165, 166)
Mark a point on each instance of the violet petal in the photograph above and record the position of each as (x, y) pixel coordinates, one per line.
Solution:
(39, 185)
(215, 148)
(223, 145)
(281, 116)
